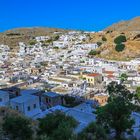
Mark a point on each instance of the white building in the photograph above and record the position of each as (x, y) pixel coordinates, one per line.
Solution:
(22, 48)
(4, 52)
(27, 104)
(42, 38)
(3, 56)
(4, 98)
(4, 48)
(60, 44)
(87, 46)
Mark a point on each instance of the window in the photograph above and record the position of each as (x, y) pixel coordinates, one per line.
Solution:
(17, 93)
(0, 99)
(16, 107)
(28, 108)
(34, 105)
(48, 100)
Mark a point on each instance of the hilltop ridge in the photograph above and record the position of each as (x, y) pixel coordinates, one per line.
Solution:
(13, 36)
(128, 25)
(130, 29)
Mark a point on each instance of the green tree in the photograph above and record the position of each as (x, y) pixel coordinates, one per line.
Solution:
(138, 92)
(67, 132)
(54, 124)
(56, 47)
(17, 128)
(49, 41)
(120, 39)
(55, 38)
(43, 137)
(117, 113)
(93, 52)
(69, 101)
(99, 43)
(104, 38)
(108, 32)
(137, 100)
(123, 77)
(118, 90)
(93, 132)
(32, 42)
(137, 96)
(119, 47)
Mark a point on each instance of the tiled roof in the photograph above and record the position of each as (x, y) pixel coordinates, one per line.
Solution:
(93, 74)
(110, 76)
(109, 72)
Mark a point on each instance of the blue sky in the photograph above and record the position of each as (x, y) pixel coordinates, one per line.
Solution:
(70, 14)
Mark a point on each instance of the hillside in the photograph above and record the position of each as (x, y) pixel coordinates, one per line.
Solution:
(129, 25)
(13, 36)
(130, 29)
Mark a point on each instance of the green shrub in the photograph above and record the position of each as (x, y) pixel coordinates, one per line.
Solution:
(57, 126)
(123, 77)
(56, 47)
(99, 43)
(104, 38)
(93, 131)
(119, 47)
(32, 42)
(49, 40)
(56, 38)
(120, 39)
(93, 52)
(18, 128)
(107, 32)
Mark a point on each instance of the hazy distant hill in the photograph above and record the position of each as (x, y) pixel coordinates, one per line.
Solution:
(13, 36)
(129, 25)
(35, 31)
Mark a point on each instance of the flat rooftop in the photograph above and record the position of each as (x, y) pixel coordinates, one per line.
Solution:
(83, 118)
(29, 91)
(3, 92)
(51, 94)
(23, 99)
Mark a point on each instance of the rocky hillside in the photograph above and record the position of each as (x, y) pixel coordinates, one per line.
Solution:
(130, 29)
(130, 25)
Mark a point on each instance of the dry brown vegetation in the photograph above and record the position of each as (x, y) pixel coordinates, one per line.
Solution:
(129, 25)
(131, 29)
(12, 37)
(107, 49)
